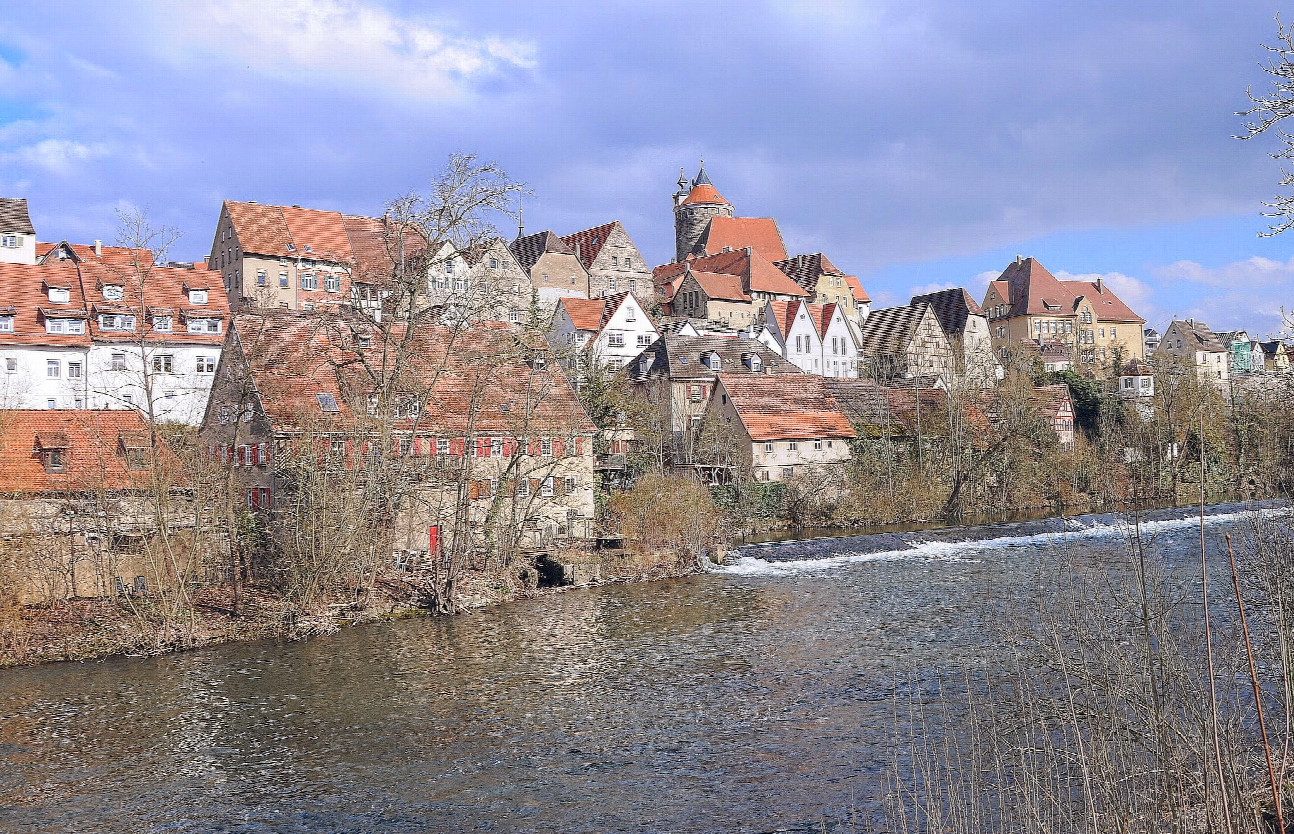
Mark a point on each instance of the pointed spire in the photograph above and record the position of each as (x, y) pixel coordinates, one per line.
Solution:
(682, 180)
(521, 219)
(701, 178)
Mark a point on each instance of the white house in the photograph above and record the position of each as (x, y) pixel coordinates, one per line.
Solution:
(817, 338)
(44, 338)
(1195, 344)
(612, 330)
(17, 236)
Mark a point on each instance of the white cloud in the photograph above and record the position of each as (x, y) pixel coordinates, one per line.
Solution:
(1255, 271)
(57, 156)
(935, 287)
(346, 41)
(1250, 293)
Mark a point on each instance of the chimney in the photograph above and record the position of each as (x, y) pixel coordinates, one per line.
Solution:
(1019, 259)
(1100, 284)
(98, 248)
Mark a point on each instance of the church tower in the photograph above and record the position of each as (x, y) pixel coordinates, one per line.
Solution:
(693, 209)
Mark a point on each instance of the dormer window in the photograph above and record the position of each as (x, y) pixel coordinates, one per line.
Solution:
(116, 322)
(292, 247)
(162, 324)
(113, 292)
(11, 241)
(59, 295)
(754, 363)
(53, 460)
(712, 361)
(197, 296)
(6, 324)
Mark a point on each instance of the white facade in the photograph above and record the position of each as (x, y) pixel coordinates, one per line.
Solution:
(839, 347)
(17, 248)
(43, 376)
(179, 375)
(833, 353)
(627, 332)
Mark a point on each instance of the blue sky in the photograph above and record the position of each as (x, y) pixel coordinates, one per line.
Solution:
(919, 143)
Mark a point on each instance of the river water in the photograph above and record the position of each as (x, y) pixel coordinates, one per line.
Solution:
(755, 698)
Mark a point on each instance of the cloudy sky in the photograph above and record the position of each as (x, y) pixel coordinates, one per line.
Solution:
(919, 143)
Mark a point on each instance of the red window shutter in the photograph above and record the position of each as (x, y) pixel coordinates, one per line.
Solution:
(456, 446)
(579, 446)
(533, 448)
(534, 486)
(559, 448)
(473, 490)
(480, 447)
(509, 447)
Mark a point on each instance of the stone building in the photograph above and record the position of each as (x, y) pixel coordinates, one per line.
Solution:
(695, 204)
(612, 261)
(964, 323)
(730, 287)
(1194, 344)
(826, 284)
(475, 418)
(906, 342)
(481, 283)
(1028, 302)
(555, 271)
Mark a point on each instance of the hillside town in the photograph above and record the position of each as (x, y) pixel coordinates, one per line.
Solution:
(466, 383)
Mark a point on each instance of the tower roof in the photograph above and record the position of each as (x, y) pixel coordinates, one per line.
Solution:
(701, 177)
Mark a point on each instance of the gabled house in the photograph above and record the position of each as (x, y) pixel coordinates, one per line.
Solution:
(827, 285)
(785, 424)
(903, 342)
(1241, 348)
(1197, 346)
(1056, 356)
(677, 374)
(475, 418)
(816, 337)
(481, 283)
(612, 330)
(730, 287)
(1275, 356)
(1053, 404)
(1028, 302)
(966, 326)
(44, 336)
(612, 261)
(1136, 380)
(17, 235)
(554, 269)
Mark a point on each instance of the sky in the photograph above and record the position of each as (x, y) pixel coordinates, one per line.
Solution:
(918, 143)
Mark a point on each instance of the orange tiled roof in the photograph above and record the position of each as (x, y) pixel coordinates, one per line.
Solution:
(23, 287)
(90, 442)
(785, 406)
(294, 358)
(1030, 289)
(157, 290)
(704, 193)
(585, 313)
(720, 286)
(759, 233)
(860, 295)
(290, 231)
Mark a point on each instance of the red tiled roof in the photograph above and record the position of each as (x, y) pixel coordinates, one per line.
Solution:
(860, 295)
(373, 240)
(474, 374)
(785, 406)
(117, 255)
(261, 230)
(588, 243)
(784, 313)
(318, 234)
(704, 193)
(90, 443)
(154, 289)
(720, 286)
(23, 287)
(821, 315)
(585, 313)
(1031, 290)
(759, 233)
(756, 274)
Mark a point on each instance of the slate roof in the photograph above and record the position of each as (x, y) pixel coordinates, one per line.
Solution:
(478, 374)
(785, 406)
(1030, 289)
(529, 249)
(14, 216)
(90, 442)
(890, 330)
(952, 307)
(680, 358)
(1196, 335)
(588, 243)
(759, 233)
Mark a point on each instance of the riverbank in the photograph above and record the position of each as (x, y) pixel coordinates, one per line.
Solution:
(93, 629)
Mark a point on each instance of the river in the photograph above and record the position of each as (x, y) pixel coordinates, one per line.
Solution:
(755, 698)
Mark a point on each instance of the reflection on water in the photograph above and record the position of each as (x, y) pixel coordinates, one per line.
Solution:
(753, 699)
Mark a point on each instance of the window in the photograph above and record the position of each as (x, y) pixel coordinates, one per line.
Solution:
(817, 445)
(442, 446)
(53, 368)
(523, 488)
(494, 263)
(55, 325)
(197, 296)
(119, 362)
(644, 339)
(616, 340)
(514, 316)
(546, 490)
(449, 267)
(116, 322)
(113, 292)
(55, 460)
(788, 472)
(332, 282)
(224, 415)
(309, 281)
(50, 404)
(694, 393)
(792, 446)
(59, 295)
(633, 285)
(614, 261)
(6, 324)
(496, 447)
(162, 324)
(260, 277)
(546, 448)
(10, 241)
(611, 284)
(11, 364)
(768, 448)
(569, 485)
(163, 363)
(631, 313)
(337, 448)
(73, 370)
(283, 280)
(247, 412)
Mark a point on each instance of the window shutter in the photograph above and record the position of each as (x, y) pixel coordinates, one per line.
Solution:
(262, 454)
(579, 446)
(559, 448)
(533, 448)
(473, 490)
(456, 446)
(534, 486)
(482, 447)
